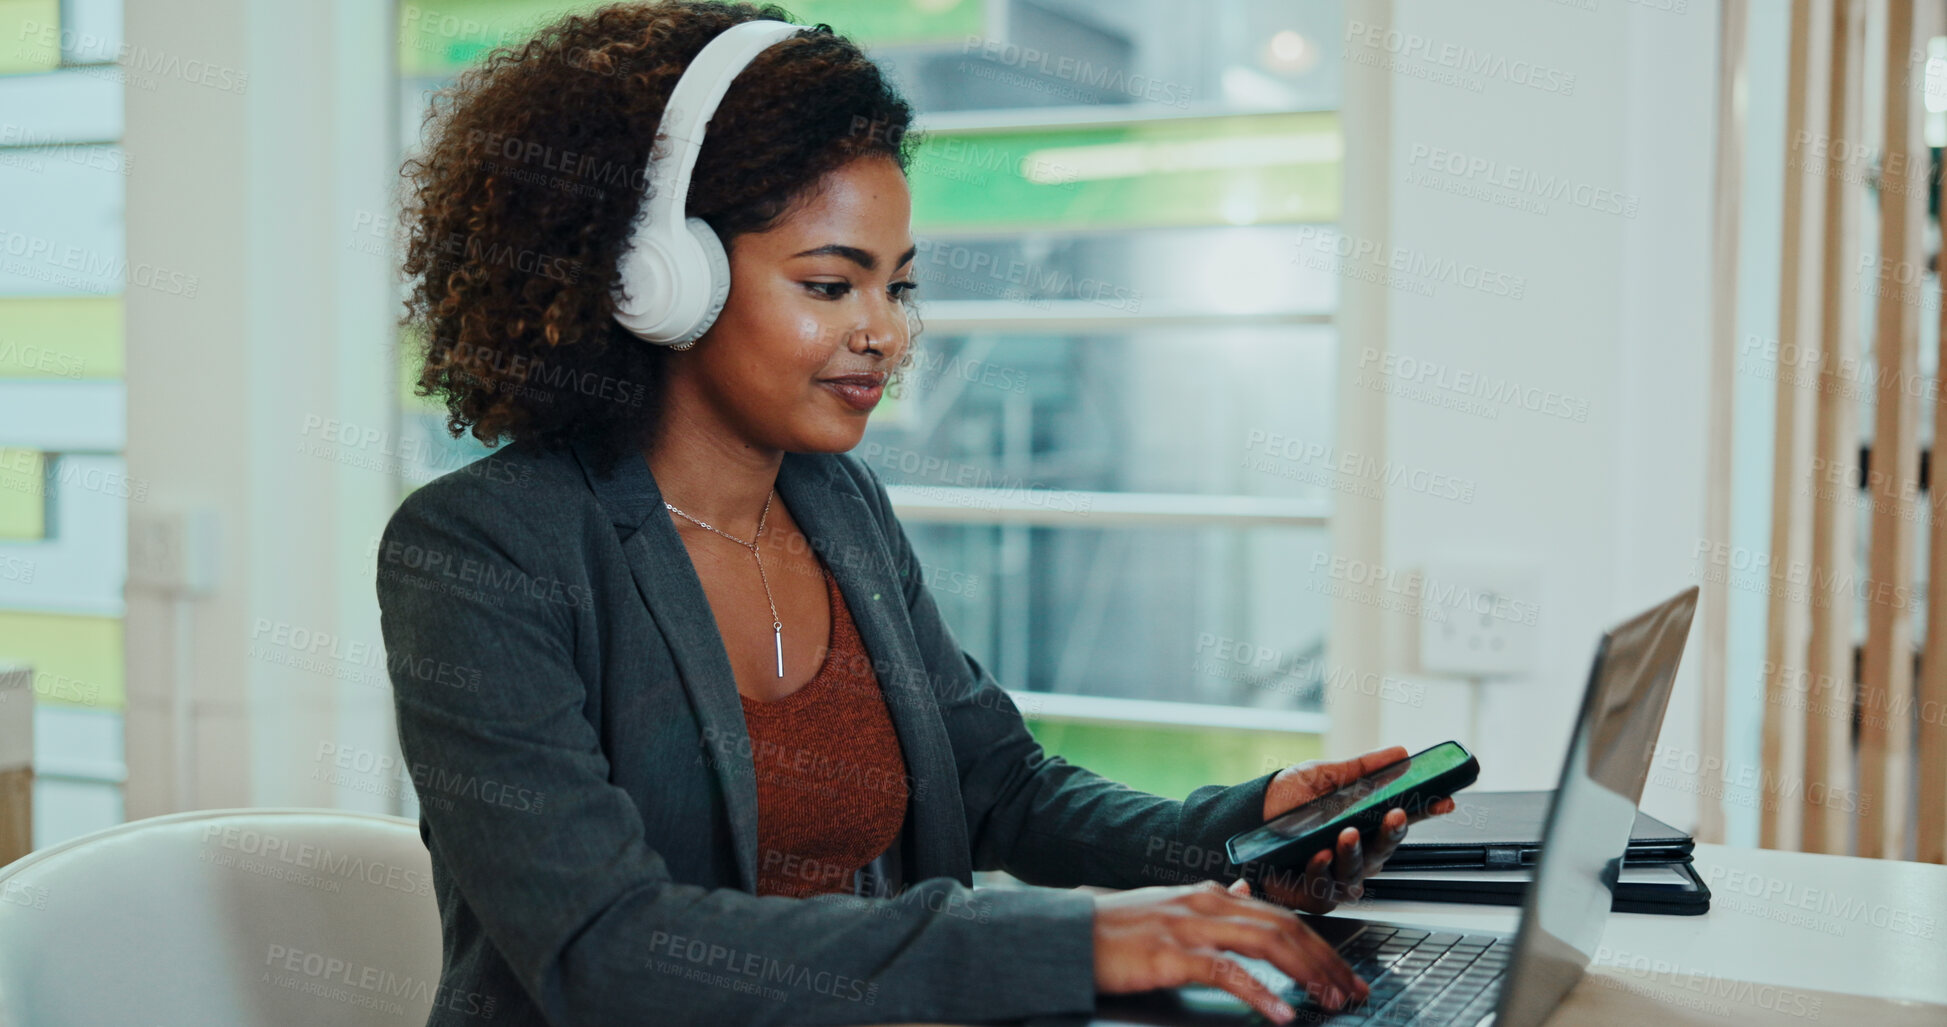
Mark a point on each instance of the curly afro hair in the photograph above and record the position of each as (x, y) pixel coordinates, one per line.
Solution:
(521, 203)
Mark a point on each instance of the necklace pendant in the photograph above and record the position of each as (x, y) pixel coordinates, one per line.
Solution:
(778, 633)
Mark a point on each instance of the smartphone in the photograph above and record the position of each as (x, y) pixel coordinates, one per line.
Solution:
(1411, 784)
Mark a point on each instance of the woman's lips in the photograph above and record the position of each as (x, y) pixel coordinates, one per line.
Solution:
(857, 393)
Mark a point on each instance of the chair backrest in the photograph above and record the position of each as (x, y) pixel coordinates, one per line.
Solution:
(236, 917)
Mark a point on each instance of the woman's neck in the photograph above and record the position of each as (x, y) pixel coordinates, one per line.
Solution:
(707, 471)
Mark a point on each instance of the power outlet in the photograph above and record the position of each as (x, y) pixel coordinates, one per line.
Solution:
(1486, 620)
(173, 552)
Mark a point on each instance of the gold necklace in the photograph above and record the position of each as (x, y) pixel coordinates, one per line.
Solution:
(777, 626)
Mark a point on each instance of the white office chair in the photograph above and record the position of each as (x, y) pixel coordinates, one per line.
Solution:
(233, 917)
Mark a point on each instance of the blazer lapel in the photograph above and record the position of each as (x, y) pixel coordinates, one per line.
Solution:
(668, 583)
(843, 532)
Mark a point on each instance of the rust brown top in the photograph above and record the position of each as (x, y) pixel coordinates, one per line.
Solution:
(831, 779)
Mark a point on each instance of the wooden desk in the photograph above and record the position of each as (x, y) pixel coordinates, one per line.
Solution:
(1790, 919)
(1790, 938)
(16, 762)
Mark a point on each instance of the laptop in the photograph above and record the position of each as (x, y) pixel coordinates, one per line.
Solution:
(1434, 977)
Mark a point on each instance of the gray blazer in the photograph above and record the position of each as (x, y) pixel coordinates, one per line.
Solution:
(571, 725)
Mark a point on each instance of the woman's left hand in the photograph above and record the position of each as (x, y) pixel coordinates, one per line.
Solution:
(1333, 876)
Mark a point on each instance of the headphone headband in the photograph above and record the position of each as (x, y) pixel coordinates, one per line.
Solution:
(694, 102)
(675, 272)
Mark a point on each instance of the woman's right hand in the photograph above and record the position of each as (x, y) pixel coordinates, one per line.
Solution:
(1165, 937)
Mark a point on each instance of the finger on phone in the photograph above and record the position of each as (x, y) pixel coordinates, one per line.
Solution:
(1318, 876)
(1378, 759)
(1321, 776)
(1392, 832)
(1350, 857)
(1432, 809)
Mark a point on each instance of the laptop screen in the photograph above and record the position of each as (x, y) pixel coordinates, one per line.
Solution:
(1594, 809)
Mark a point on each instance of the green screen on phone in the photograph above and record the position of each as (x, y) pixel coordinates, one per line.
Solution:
(1376, 789)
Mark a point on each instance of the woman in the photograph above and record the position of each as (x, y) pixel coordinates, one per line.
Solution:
(691, 740)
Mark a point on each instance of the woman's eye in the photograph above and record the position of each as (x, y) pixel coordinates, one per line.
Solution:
(820, 287)
(834, 290)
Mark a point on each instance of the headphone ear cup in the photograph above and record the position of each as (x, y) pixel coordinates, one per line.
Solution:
(715, 269)
(648, 289)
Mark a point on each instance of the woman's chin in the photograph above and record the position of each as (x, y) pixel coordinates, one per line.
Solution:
(832, 437)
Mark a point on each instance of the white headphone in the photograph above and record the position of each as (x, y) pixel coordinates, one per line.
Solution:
(675, 272)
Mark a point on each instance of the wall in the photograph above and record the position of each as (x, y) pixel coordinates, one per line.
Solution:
(1602, 491)
(259, 191)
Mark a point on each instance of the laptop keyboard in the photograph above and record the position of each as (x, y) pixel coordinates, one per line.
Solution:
(1417, 977)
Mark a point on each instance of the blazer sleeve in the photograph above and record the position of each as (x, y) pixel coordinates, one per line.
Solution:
(1039, 817)
(522, 819)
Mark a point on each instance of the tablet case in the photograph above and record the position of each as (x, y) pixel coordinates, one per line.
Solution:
(1485, 851)
(1669, 888)
(1502, 830)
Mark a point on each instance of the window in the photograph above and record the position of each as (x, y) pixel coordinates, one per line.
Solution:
(1102, 451)
(64, 494)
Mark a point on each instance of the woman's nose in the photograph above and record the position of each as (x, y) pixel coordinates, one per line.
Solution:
(883, 329)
